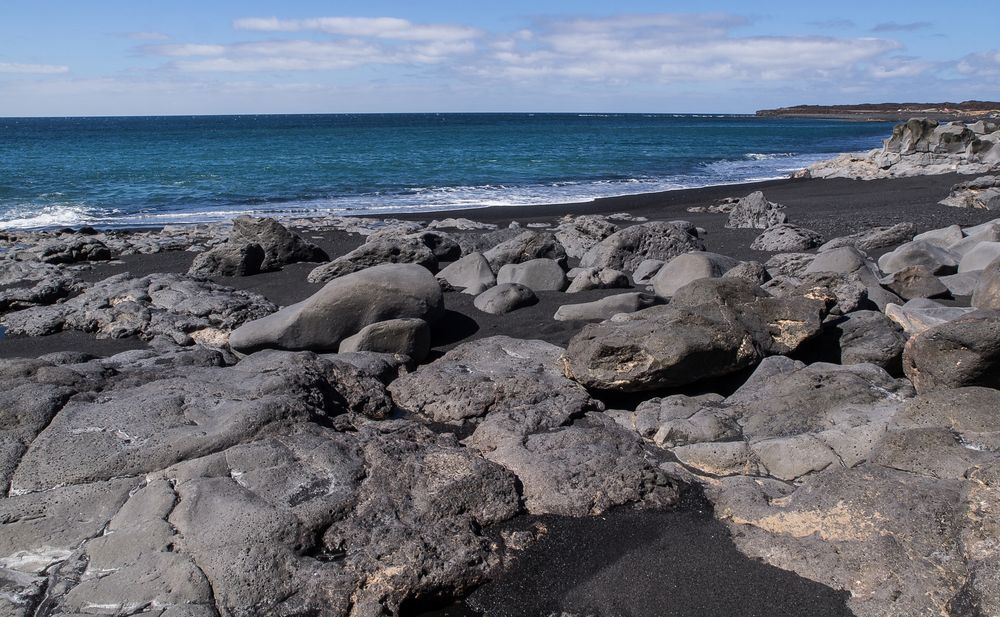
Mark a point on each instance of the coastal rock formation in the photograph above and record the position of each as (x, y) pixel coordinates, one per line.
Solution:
(586, 279)
(919, 147)
(408, 337)
(683, 269)
(983, 192)
(605, 308)
(579, 234)
(343, 307)
(525, 247)
(626, 249)
(875, 238)
(172, 307)
(504, 298)
(280, 246)
(535, 274)
(755, 212)
(960, 352)
(472, 274)
(228, 260)
(66, 251)
(395, 250)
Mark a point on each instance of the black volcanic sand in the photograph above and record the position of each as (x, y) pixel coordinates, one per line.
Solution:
(636, 563)
(639, 563)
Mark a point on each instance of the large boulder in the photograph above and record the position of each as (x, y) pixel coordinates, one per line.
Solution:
(915, 282)
(962, 352)
(586, 279)
(979, 257)
(409, 337)
(280, 245)
(535, 274)
(525, 247)
(874, 238)
(689, 267)
(343, 307)
(228, 260)
(756, 212)
(626, 249)
(401, 250)
(920, 253)
(605, 308)
(471, 273)
(580, 233)
(786, 238)
(987, 291)
(868, 337)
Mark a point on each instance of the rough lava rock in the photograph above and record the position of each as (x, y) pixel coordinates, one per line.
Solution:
(401, 250)
(962, 352)
(626, 249)
(755, 212)
(786, 237)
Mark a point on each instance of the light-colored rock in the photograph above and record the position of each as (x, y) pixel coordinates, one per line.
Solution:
(688, 267)
(471, 273)
(504, 298)
(535, 274)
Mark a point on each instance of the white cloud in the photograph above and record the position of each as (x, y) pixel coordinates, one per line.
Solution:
(984, 64)
(37, 69)
(368, 27)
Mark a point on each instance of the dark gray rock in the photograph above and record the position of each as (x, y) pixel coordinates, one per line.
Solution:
(280, 246)
(786, 237)
(229, 260)
(756, 212)
(916, 282)
(962, 352)
(626, 249)
(66, 250)
(752, 271)
(869, 337)
(920, 253)
(379, 252)
(535, 274)
(505, 298)
(525, 247)
(987, 290)
(409, 337)
(343, 307)
(444, 246)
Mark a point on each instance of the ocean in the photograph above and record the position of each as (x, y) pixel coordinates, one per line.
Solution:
(138, 171)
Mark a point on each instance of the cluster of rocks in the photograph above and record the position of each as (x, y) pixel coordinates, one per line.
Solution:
(921, 147)
(982, 193)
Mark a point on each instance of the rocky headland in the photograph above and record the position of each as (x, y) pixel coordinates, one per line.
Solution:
(793, 386)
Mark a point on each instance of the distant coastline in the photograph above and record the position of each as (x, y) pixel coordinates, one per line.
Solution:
(895, 112)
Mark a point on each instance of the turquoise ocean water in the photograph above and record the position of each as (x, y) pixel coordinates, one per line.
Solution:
(155, 170)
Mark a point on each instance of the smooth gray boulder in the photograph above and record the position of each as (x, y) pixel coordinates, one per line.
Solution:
(689, 267)
(605, 308)
(756, 212)
(399, 250)
(343, 307)
(525, 247)
(942, 237)
(869, 337)
(595, 278)
(786, 238)
(962, 352)
(535, 274)
(963, 284)
(646, 270)
(843, 260)
(409, 337)
(504, 298)
(989, 233)
(626, 249)
(471, 273)
(920, 253)
(915, 316)
(979, 257)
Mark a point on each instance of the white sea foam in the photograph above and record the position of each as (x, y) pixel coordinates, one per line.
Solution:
(56, 215)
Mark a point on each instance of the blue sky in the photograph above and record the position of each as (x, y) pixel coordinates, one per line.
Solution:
(94, 57)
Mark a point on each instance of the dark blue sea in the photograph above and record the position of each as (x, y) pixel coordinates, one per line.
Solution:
(177, 169)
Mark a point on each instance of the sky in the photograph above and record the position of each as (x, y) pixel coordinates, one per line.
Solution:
(153, 57)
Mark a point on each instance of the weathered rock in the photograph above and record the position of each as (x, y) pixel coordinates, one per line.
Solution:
(689, 267)
(785, 237)
(580, 233)
(844, 292)
(989, 233)
(963, 284)
(280, 245)
(920, 253)
(64, 250)
(409, 337)
(979, 257)
(525, 247)
(752, 271)
(504, 298)
(42, 293)
(343, 307)
(444, 246)
(646, 270)
(869, 337)
(535, 274)
(594, 278)
(981, 193)
(584, 470)
(788, 264)
(843, 260)
(942, 236)
(962, 352)
(228, 260)
(160, 305)
(471, 273)
(626, 249)
(875, 238)
(755, 212)
(915, 282)
(605, 308)
(386, 251)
